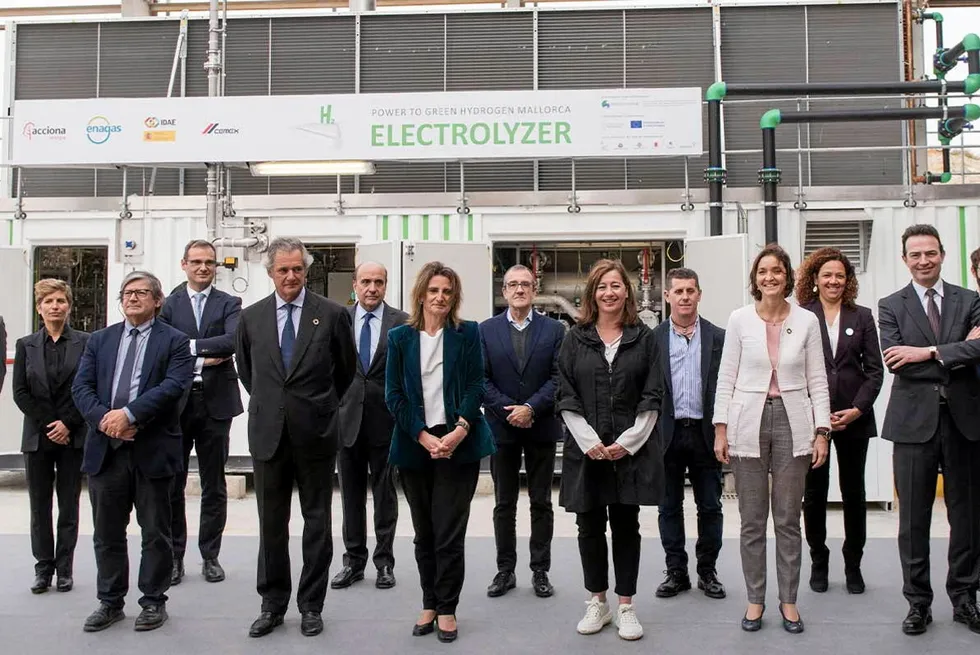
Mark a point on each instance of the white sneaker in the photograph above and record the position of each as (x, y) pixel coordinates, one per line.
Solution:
(629, 626)
(597, 616)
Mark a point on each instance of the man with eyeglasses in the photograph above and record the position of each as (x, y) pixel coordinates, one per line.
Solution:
(520, 352)
(209, 317)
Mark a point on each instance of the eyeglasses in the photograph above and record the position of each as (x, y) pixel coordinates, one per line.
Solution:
(196, 263)
(514, 284)
(136, 293)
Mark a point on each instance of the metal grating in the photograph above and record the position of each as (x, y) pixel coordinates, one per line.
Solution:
(406, 177)
(313, 55)
(580, 50)
(402, 53)
(243, 183)
(515, 175)
(56, 61)
(489, 51)
(834, 31)
(312, 184)
(590, 174)
(197, 55)
(853, 238)
(109, 182)
(55, 182)
(247, 58)
(146, 47)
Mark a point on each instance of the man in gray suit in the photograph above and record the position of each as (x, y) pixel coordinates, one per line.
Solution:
(366, 429)
(934, 420)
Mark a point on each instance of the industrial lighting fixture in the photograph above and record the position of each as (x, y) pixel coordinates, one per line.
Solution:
(278, 168)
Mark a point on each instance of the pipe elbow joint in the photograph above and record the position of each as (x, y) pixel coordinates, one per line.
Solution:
(945, 178)
(716, 91)
(971, 112)
(971, 84)
(771, 119)
(971, 42)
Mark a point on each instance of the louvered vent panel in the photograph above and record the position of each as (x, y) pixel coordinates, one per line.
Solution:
(56, 61)
(313, 55)
(580, 50)
(403, 53)
(406, 177)
(490, 51)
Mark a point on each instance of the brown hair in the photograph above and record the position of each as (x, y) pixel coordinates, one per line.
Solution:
(199, 243)
(772, 250)
(44, 288)
(806, 277)
(975, 260)
(590, 308)
(416, 318)
(922, 230)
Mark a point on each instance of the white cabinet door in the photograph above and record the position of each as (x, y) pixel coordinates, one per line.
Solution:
(722, 265)
(472, 263)
(16, 310)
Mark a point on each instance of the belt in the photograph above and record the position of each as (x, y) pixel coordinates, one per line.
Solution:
(197, 386)
(688, 422)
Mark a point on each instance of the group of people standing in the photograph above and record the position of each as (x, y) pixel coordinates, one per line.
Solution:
(372, 390)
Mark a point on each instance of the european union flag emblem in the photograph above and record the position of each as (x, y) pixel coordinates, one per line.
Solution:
(635, 125)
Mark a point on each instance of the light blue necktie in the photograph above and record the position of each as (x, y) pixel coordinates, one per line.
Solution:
(288, 337)
(365, 347)
(198, 311)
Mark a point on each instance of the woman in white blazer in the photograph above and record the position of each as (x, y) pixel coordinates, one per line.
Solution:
(772, 416)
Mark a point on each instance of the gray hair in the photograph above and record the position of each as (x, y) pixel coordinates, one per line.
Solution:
(518, 268)
(370, 263)
(156, 288)
(285, 245)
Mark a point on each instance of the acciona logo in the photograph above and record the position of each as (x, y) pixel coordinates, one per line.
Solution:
(32, 130)
(215, 128)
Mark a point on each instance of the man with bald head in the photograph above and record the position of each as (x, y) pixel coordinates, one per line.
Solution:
(366, 428)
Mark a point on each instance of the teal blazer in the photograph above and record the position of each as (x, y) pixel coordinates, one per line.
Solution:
(463, 386)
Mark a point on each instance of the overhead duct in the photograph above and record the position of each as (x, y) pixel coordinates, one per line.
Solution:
(363, 5)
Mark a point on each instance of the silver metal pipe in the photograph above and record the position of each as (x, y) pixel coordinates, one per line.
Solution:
(178, 54)
(213, 67)
(562, 302)
(239, 242)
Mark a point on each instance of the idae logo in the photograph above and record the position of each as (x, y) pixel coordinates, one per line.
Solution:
(100, 128)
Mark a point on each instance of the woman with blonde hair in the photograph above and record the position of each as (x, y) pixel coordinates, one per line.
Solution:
(434, 384)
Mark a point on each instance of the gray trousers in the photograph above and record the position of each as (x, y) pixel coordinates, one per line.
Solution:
(786, 498)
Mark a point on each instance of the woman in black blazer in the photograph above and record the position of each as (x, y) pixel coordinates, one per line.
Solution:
(827, 286)
(54, 431)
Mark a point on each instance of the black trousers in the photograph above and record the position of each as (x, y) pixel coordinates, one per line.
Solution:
(505, 468)
(852, 455)
(689, 454)
(439, 496)
(916, 469)
(357, 465)
(311, 469)
(42, 484)
(624, 523)
(114, 492)
(210, 439)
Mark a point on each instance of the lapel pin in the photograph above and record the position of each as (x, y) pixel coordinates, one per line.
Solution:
(316, 321)
(849, 332)
(789, 330)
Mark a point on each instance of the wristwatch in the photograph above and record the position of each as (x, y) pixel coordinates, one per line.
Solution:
(823, 432)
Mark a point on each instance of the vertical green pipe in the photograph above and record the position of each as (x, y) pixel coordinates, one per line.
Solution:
(384, 227)
(404, 226)
(469, 227)
(10, 232)
(964, 258)
(445, 227)
(425, 227)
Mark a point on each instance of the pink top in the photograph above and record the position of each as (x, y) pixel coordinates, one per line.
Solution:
(772, 344)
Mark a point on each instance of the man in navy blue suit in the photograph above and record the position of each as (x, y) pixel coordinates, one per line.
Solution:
(129, 386)
(209, 317)
(520, 350)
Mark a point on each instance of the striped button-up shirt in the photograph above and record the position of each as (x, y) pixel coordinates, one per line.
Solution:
(685, 373)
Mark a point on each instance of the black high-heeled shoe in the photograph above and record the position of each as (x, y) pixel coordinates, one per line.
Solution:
(753, 625)
(446, 636)
(792, 627)
(424, 629)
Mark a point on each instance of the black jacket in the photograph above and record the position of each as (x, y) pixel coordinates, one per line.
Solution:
(610, 397)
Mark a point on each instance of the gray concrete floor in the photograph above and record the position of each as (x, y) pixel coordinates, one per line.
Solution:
(207, 618)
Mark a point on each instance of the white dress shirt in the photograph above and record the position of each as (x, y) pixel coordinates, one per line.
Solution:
(523, 324)
(297, 312)
(134, 383)
(199, 362)
(833, 333)
(430, 356)
(374, 326)
(921, 292)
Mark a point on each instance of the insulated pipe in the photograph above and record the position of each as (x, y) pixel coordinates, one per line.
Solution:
(560, 301)
(938, 18)
(715, 175)
(769, 177)
(213, 66)
(945, 60)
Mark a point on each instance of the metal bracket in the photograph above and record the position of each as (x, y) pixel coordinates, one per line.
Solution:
(910, 200)
(19, 213)
(573, 206)
(463, 206)
(687, 205)
(125, 213)
(339, 203)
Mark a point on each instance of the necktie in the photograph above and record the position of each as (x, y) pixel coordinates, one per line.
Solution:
(198, 311)
(365, 344)
(288, 337)
(932, 311)
(121, 397)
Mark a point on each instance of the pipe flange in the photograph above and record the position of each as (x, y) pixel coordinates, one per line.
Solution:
(910, 203)
(687, 206)
(799, 205)
(20, 215)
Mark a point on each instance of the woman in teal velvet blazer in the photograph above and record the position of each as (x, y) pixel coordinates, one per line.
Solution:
(434, 384)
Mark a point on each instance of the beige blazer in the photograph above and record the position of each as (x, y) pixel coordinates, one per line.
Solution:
(743, 380)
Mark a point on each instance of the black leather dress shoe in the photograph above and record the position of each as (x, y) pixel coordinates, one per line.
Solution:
(854, 581)
(675, 582)
(346, 578)
(710, 585)
(446, 636)
(42, 582)
(151, 618)
(503, 582)
(386, 578)
(792, 627)
(917, 620)
(103, 617)
(65, 583)
(541, 584)
(968, 614)
(819, 575)
(424, 629)
(177, 573)
(212, 571)
(753, 625)
(266, 623)
(311, 624)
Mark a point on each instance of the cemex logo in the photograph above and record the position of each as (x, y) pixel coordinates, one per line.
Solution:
(215, 128)
(100, 129)
(54, 133)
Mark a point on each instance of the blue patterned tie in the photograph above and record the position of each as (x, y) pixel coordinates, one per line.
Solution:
(288, 337)
(121, 397)
(365, 347)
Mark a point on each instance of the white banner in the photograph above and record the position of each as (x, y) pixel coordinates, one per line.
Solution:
(372, 127)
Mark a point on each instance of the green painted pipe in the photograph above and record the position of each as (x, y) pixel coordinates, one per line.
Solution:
(971, 42)
(971, 84)
(771, 119)
(716, 91)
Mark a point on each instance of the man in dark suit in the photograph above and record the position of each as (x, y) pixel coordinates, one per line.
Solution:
(209, 317)
(933, 418)
(690, 375)
(366, 434)
(520, 351)
(129, 387)
(296, 358)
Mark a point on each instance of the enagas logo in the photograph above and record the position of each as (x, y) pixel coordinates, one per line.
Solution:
(100, 128)
(52, 132)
